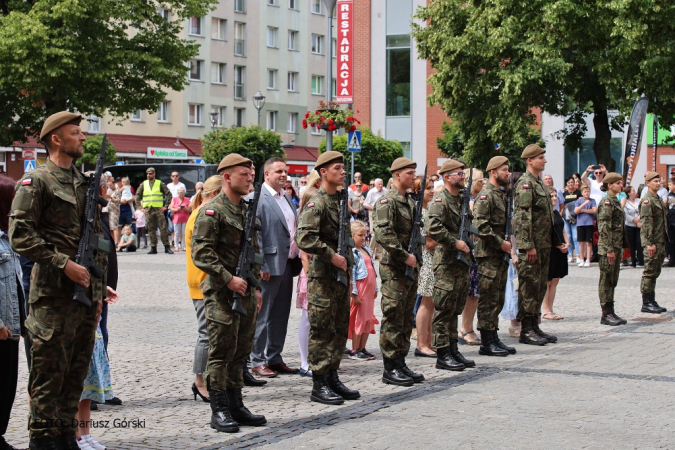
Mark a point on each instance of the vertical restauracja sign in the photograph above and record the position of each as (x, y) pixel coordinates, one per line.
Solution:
(345, 53)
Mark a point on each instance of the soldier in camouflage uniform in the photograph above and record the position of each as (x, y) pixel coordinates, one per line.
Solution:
(154, 199)
(216, 241)
(533, 226)
(451, 275)
(611, 220)
(327, 300)
(45, 223)
(490, 218)
(654, 236)
(393, 222)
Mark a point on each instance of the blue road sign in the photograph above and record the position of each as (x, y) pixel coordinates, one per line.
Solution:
(354, 141)
(119, 163)
(28, 165)
(199, 161)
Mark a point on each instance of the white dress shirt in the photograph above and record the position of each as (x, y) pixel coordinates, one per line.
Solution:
(285, 206)
(373, 195)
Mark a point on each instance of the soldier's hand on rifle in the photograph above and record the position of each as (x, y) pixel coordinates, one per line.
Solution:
(237, 285)
(258, 300)
(411, 261)
(77, 273)
(531, 255)
(506, 246)
(462, 246)
(339, 261)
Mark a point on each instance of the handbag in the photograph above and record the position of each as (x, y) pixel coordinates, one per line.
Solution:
(570, 217)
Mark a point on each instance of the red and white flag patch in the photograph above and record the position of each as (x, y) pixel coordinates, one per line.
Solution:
(438, 199)
(27, 182)
(310, 205)
(606, 203)
(526, 186)
(383, 201)
(209, 212)
(483, 197)
(646, 202)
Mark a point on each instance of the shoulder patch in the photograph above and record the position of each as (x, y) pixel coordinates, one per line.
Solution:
(310, 205)
(27, 182)
(646, 202)
(482, 197)
(209, 212)
(526, 186)
(383, 201)
(438, 199)
(606, 203)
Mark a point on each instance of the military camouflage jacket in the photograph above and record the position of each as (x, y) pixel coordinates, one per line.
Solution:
(216, 241)
(489, 218)
(611, 220)
(654, 220)
(317, 234)
(45, 226)
(442, 226)
(393, 222)
(533, 214)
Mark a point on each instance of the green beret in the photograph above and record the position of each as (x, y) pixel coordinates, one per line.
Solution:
(402, 163)
(649, 177)
(58, 120)
(232, 160)
(451, 164)
(531, 151)
(328, 158)
(612, 177)
(496, 163)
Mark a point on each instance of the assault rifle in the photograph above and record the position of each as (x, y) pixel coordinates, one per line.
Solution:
(90, 243)
(466, 215)
(416, 233)
(247, 255)
(509, 213)
(345, 241)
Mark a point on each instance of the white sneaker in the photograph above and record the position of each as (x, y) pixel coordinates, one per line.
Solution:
(84, 445)
(581, 262)
(576, 259)
(570, 259)
(93, 443)
(587, 263)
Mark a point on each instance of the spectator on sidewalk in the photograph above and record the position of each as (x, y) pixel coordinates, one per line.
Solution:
(180, 209)
(585, 208)
(358, 179)
(153, 198)
(548, 182)
(115, 193)
(671, 222)
(571, 195)
(632, 229)
(557, 267)
(198, 186)
(425, 286)
(290, 193)
(369, 203)
(176, 185)
(128, 242)
(141, 230)
(594, 184)
(126, 202)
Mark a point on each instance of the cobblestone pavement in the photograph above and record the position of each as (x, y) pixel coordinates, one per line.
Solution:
(598, 387)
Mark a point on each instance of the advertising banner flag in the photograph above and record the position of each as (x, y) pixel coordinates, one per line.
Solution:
(345, 53)
(634, 138)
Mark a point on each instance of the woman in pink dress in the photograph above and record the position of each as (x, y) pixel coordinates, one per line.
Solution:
(362, 319)
(180, 207)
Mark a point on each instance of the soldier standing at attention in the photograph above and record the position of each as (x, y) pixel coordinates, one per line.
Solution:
(216, 243)
(533, 226)
(45, 223)
(490, 218)
(611, 219)
(154, 198)
(393, 221)
(451, 274)
(654, 237)
(328, 299)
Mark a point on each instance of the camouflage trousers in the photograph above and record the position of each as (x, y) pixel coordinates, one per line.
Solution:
(532, 279)
(62, 333)
(152, 219)
(609, 277)
(652, 268)
(398, 304)
(449, 302)
(230, 339)
(328, 312)
(492, 274)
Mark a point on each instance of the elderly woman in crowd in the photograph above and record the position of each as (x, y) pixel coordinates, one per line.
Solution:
(180, 209)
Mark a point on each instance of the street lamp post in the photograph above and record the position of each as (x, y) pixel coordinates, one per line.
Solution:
(214, 119)
(330, 6)
(258, 102)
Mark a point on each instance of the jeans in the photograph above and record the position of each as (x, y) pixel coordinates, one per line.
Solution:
(571, 231)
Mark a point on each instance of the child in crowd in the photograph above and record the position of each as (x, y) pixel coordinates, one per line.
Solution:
(585, 208)
(128, 242)
(140, 228)
(362, 319)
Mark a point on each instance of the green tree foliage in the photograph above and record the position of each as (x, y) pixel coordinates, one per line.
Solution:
(252, 142)
(495, 61)
(91, 148)
(375, 158)
(93, 56)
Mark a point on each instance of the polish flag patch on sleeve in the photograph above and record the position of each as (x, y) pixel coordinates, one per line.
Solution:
(646, 202)
(209, 212)
(526, 186)
(438, 199)
(27, 182)
(383, 201)
(310, 205)
(483, 197)
(606, 203)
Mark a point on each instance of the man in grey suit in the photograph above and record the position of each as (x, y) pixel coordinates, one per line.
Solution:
(277, 215)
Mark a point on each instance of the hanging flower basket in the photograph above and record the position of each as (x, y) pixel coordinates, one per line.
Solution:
(330, 117)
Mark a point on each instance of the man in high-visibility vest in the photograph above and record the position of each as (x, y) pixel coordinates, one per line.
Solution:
(154, 197)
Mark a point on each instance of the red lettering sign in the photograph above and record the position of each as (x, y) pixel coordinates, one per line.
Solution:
(345, 54)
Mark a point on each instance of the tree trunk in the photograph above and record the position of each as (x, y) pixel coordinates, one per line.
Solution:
(603, 135)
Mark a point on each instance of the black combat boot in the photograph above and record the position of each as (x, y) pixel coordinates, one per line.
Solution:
(527, 334)
(621, 321)
(167, 249)
(649, 304)
(67, 441)
(239, 412)
(488, 346)
(454, 351)
(153, 250)
(608, 317)
(535, 326)
(500, 344)
(221, 418)
(322, 392)
(416, 377)
(445, 361)
(251, 381)
(45, 443)
(339, 388)
(394, 375)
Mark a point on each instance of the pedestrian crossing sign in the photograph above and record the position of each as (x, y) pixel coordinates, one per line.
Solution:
(28, 165)
(354, 141)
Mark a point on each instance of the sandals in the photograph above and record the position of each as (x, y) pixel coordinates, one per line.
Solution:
(552, 316)
(462, 340)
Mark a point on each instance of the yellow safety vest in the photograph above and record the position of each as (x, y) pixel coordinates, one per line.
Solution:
(152, 196)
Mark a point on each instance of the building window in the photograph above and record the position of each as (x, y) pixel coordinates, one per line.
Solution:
(317, 84)
(272, 120)
(239, 39)
(93, 124)
(272, 37)
(239, 82)
(271, 78)
(137, 116)
(292, 122)
(196, 66)
(163, 112)
(292, 4)
(218, 73)
(218, 29)
(195, 26)
(398, 75)
(239, 117)
(240, 6)
(315, 130)
(333, 92)
(195, 114)
(316, 6)
(220, 115)
(317, 44)
(293, 40)
(272, 2)
(165, 13)
(293, 81)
